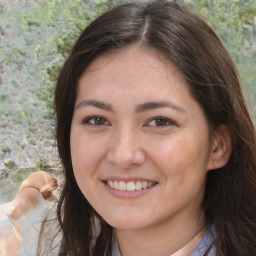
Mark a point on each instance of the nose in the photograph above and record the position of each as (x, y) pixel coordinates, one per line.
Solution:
(125, 150)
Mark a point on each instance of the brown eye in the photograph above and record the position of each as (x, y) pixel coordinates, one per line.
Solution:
(160, 122)
(97, 120)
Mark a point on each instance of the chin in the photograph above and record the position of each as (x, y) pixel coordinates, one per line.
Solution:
(127, 225)
(126, 221)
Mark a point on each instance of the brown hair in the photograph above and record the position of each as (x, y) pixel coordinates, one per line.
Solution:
(190, 44)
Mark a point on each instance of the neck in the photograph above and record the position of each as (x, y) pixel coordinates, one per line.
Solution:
(178, 237)
(188, 248)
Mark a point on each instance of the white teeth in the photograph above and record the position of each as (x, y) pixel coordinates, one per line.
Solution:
(122, 185)
(138, 185)
(144, 184)
(116, 184)
(111, 183)
(129, 186)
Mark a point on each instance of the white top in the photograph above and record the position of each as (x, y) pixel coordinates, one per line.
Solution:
(199, 251)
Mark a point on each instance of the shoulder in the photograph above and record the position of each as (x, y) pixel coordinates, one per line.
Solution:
(205, 243)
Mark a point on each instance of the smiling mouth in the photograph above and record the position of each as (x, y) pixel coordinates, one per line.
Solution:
(130, 185)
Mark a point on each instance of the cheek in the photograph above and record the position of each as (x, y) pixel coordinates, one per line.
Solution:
(86, 152)
(83, 159)
(180, 156)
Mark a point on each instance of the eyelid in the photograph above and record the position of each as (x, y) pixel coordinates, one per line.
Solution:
(86, 120)
(170, 122)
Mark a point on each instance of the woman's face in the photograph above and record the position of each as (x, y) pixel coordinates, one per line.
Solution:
(140, 144)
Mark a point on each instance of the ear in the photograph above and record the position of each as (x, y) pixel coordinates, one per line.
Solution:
(221, 148)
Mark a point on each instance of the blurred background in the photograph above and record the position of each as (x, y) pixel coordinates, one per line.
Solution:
(36, 37)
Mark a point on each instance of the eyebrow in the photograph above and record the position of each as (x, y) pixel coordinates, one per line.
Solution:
(95, 103)
(140, 108)
(158, 104)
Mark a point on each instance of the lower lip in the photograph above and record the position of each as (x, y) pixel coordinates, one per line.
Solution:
(128, 194)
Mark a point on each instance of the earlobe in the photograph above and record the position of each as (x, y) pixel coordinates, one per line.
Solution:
(221, 148)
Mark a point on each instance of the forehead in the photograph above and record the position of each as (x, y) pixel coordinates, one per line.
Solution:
(132, 67)
(143, 55)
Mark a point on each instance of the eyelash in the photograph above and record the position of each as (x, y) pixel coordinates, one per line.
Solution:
(166, 122)
(163, 121)
(90, 118)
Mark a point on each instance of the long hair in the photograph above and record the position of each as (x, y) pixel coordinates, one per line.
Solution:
(195, 50)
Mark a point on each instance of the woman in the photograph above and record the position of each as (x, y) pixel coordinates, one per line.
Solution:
(155, 138)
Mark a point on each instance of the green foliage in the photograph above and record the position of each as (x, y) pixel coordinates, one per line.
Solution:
(11, 180)
(6, 149)
(235, 23)
(4, 174)
(22, 174)
(10, 164)
(36, 37)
